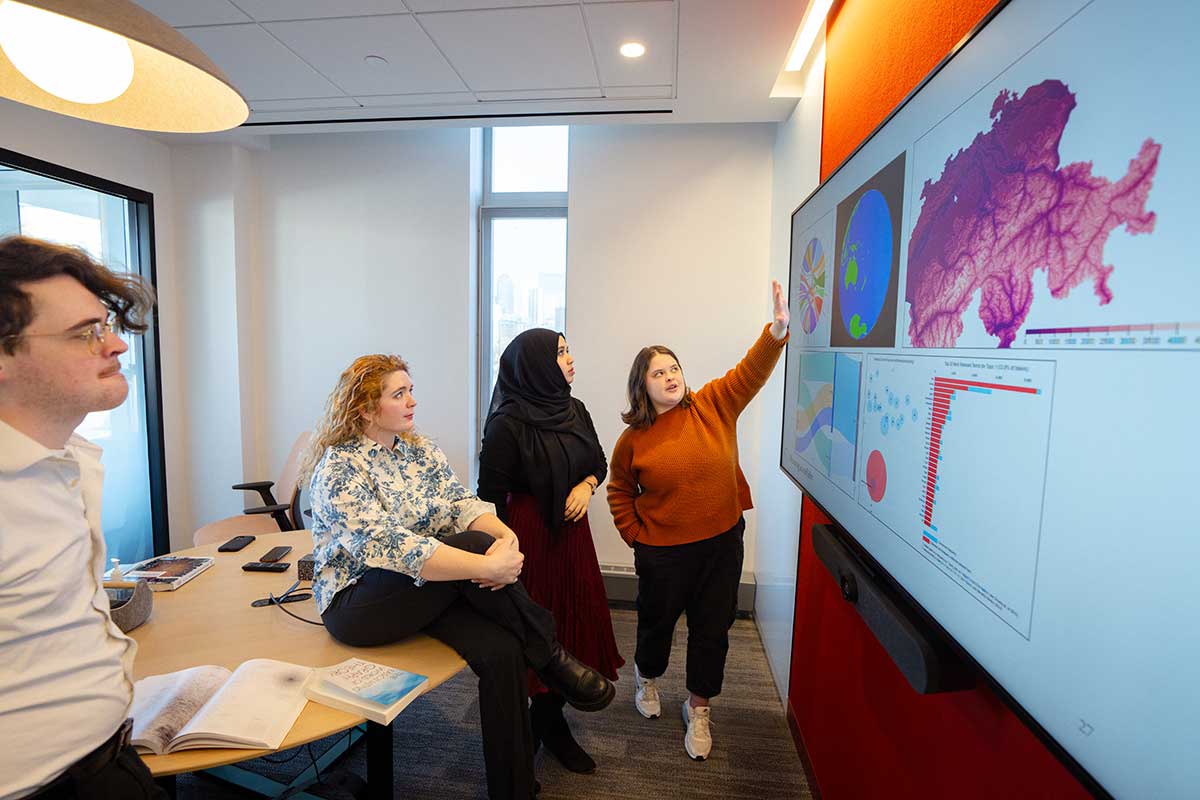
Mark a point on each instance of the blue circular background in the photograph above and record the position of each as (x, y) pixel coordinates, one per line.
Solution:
(865, 264)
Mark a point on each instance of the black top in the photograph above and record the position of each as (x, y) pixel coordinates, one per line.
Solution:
(502, 469)
(538, 439)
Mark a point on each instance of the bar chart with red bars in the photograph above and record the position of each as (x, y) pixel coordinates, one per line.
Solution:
(943, 392)
(952, 459)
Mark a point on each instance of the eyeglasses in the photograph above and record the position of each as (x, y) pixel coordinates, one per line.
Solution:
(94, 336)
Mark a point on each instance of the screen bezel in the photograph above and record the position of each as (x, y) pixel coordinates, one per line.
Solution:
(1060, 753)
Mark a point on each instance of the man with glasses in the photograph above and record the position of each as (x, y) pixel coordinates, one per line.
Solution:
(66, 670)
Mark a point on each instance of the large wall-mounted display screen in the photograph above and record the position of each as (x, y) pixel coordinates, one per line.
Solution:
(994, 368)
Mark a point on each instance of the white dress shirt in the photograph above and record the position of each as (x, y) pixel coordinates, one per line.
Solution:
(66, 670)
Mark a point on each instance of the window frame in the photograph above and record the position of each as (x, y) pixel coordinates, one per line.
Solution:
(141, 248)
(503, 205)
(517, 199)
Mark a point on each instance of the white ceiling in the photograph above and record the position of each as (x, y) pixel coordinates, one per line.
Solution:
(316, 65)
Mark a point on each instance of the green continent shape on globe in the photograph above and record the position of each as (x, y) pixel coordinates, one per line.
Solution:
(851, 276)
(857, 329)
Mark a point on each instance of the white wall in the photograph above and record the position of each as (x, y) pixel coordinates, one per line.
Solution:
(205, 210)
(365, 247)
(364, 243)
(797, 164)
(135, 160)
(299, 257)
(668, 234)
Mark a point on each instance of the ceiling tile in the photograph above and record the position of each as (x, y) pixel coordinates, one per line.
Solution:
(337, 48)
(304, 104)
(180, 13)
(274, 10)
(651, 23)
(516, 48)
(435, 99)
(540, 94)
(467, 5)
(260, 67)
(639, 92)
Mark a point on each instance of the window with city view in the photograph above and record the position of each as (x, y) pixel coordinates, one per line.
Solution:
(524, 237)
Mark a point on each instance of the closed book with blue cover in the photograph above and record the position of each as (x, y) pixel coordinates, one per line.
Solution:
(365, 688)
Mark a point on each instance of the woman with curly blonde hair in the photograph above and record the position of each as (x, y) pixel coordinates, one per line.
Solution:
(402, 547)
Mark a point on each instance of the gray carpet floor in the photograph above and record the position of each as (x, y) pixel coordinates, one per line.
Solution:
(438, 752)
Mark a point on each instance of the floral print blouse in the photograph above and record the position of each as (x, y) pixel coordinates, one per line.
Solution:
(375, 507)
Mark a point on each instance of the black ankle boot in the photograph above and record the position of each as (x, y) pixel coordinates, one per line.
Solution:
(581, 685)
(562, 744)
(551, 729)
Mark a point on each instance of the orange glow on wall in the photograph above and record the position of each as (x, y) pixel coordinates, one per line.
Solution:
(877, 51)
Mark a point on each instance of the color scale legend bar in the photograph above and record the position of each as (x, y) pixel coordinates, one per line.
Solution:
(1155, 335)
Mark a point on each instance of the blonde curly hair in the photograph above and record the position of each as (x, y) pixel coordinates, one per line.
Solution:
(356, 394)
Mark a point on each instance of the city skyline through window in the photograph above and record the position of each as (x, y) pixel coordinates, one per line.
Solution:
(524, 241)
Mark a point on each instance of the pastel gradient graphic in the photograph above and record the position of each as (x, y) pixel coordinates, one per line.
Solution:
(814, 410)
(847, 375)
(1004, 207)
(826, 429)
(811, 280)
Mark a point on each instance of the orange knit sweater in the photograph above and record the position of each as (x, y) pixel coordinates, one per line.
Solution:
(678, 481)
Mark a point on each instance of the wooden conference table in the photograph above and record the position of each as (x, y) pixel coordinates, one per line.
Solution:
(209, 620)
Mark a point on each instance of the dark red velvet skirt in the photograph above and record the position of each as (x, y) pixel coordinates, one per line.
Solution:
(562, 574)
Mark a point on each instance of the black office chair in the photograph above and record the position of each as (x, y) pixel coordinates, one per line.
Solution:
(285, 514)
(270, 517)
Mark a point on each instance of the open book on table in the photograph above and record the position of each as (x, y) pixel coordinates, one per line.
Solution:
(365, 688)
(167, 573)
(252, 707)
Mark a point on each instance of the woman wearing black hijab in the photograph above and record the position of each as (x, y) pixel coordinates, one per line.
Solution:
(540, 463)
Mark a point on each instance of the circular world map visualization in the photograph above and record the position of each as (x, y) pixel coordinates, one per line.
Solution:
(865, 263)
(812, 286)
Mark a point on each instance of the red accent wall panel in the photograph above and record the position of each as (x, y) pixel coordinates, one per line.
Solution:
(876, 51)
(868, 734)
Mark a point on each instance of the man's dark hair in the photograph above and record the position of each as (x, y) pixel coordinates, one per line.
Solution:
(26, 260)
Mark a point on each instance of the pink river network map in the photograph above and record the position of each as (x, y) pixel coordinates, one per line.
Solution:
(1004, 208)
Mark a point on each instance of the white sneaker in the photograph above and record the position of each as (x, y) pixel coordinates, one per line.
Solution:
(698, 739)
(646, 697)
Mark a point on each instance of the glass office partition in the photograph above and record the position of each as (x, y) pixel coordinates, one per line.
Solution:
(111, 228)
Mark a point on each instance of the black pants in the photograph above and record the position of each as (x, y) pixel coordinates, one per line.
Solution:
(702, 579)
(125, 777)
(500, 634)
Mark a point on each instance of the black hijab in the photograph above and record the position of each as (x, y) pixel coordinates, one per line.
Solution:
(557, 445)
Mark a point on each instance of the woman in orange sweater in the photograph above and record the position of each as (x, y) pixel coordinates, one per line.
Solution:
(677, 495)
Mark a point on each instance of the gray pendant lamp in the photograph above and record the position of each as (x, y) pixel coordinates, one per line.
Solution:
(113, 62)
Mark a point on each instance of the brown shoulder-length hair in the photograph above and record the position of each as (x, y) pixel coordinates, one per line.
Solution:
(357, 393)
(27, 260)
(641, 413)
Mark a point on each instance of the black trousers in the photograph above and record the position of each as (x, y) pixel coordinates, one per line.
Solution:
(499, 634)
(124, 777)
(702, 579)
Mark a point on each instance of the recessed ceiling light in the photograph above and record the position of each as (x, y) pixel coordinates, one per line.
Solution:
(375, 61)
(633, 49)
